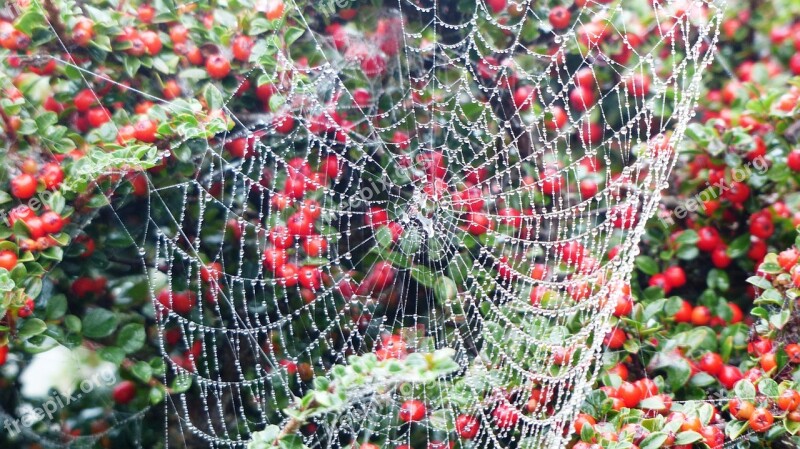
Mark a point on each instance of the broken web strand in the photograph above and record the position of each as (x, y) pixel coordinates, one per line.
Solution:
(240, 333)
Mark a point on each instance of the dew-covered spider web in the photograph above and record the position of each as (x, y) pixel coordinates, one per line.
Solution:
(453, 177)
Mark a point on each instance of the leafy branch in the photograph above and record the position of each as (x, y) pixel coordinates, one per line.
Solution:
(363, 376)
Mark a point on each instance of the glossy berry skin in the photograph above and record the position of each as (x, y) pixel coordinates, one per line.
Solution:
(729, 375)
(630, 394)
(412, 410)
(615, 339)
(582, 420)
(52, 223)
(84, 100)
(740, 409)
(52, 175)
(761, 226)
(793, 160)
(310, 277)
(708, 239)
(789, 400)
(720, 257)
(124, 392)
(23, 186)
(675, 276)
(218, 67)
(8, 259)
(145, 130)
(560, 17)
(684, 315)
(467, 426)
(701, 316)
(505, 416)
(761, 420)
(711, 363)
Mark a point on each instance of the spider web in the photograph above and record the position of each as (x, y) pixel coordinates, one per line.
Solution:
(438, 172)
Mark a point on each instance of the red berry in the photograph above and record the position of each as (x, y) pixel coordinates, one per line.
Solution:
(660, 280)
(180, 302)
(315, 246)
(582, 420)
(581, 98)
(467, 426)
(711, 363)
(23, 186)
(789, 400)
(761, 420)
(275, 9)
(52, 223)
(145, 130)
(274, 259)
(84, 100)
(218, 66)
(124, 392)
(728, 376)
(211, 272)
(373, 65)
(151, 41)
(52, 175)
(284, 124)
(720, 257)
(701, 316)
(242, 46)
(560, 17)
(496, 5)
(523, 97)
(708, 239)
(793, 160)
(26, 310)
(738, 192)
(310, 277)
(146, 13)
(740, 409)
(615, 339)
(675, 276)
(630, 394)
(8, 260)
(412, 410)
(505, 416)
(98, 116)
(761, 225)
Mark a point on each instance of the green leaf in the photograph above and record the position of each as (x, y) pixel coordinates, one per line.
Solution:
(131, 337)
(768, 387)
(445, 289)
(647, 265)
(112, 354)
(423, 275)
(143, 371)
(213, 97)
(73, 323)
(56, 307)
(739, 246)
(779, 320)
(654, 441)
(759, 282)
(31, 327)
(181, 384)
(687, 437)
(292, 34)
(99, 323)
(744, 389)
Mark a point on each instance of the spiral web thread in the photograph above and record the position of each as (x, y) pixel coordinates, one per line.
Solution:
(508, 345)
